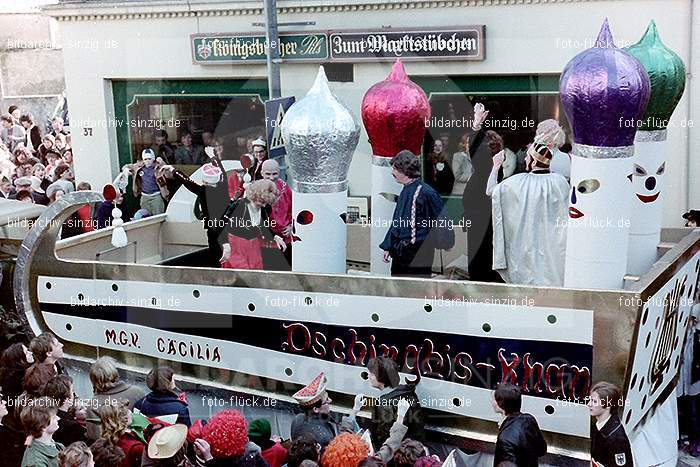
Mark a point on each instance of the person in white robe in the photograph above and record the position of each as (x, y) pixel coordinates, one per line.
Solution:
(530, 212)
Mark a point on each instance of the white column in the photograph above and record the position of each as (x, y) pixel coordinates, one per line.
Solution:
(384, 192)
(647, 200)
(596, 243)
(323, 240)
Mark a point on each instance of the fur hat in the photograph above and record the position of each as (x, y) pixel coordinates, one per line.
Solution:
(345, 450)
(227, 433)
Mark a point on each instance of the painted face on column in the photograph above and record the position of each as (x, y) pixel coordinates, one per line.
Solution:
(646, 181)
(581, 198)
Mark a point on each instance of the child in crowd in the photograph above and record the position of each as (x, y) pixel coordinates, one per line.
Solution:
(40, 422)
(47, 349)
(116, 420)
(163, 398)
(77, 454)
(106, 453)
(60, 390)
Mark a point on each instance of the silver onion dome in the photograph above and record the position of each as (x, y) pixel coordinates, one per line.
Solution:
(320, 135)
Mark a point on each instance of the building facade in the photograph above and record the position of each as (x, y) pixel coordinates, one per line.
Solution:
(134, 66)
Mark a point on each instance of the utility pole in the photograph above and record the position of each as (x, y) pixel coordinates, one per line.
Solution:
(273, 51)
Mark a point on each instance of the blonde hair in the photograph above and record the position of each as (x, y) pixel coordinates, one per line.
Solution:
(103, 374)
(115, 420)
(264, 191)
(75, 455)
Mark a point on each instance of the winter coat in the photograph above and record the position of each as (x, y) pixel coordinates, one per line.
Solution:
(156, 404)
(41, 455)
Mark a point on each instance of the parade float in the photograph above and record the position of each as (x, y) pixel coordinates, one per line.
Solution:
(274, 331)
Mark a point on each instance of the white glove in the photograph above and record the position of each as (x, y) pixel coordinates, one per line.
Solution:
(226, 253)
(480, 114)
(209, 150)
(499, 158)
(402, 407)
(359, 402)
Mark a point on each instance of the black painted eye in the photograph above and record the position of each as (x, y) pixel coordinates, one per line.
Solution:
(588, 186)
(662, 169)
(639, 170)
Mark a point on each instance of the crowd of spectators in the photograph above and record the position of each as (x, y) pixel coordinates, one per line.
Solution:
(44, 424)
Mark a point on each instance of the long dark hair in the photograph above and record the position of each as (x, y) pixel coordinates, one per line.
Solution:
(13, 359)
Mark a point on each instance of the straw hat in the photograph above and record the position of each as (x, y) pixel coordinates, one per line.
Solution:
(167, 441)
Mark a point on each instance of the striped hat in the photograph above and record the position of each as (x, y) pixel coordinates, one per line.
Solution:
(312, 392)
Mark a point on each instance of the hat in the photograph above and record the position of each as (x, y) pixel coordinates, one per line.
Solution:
(53, 188)
(23, 181)
(227, 434)
(259, 429)
(211, 174)
(312, 392)
(5, 179)
(36, 184)
(167, 441)
(345, 450)
(259, 142)
(693, 214)
(148, 154)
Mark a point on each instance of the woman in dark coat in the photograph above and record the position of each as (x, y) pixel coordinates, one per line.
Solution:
(163, 399)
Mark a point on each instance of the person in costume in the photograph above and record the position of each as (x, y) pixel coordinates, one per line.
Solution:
(149, 182)
(530, 211)
(280, 219)
(316, 419)
(609, 443)
(212, 201)
(418, 226)
(259, 156)
(477, 205)
(248, 228)
(551, 134)
(226, 442)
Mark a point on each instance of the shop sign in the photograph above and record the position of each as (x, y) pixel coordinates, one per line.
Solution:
(458, 43)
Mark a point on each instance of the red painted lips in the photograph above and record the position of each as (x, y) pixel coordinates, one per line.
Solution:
(647, 199)
(574, 213)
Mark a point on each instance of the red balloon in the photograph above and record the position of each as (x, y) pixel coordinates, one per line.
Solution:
(109, 192)
(394, 112)
(246, 161)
